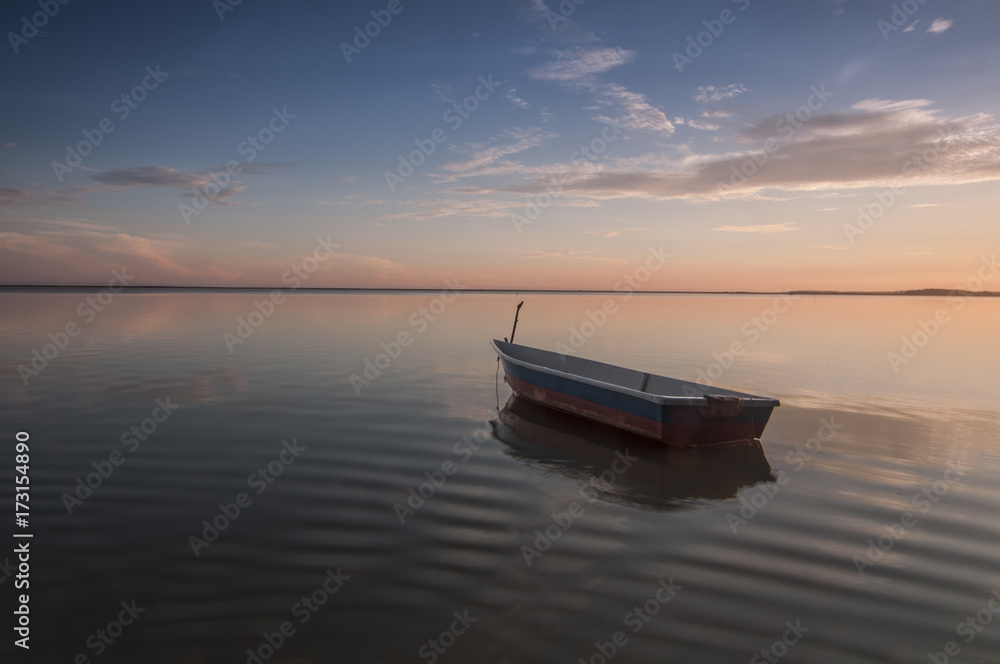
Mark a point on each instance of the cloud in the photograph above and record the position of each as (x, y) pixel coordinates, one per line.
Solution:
(364, 269)
(874, 143)
(486, 158)
(579, 66)
(14, 197)
(616, 233)
(636, 112)
(837, 9)
(706, 120)
(443, 92)
(153, 260)
(149, 176)
(190, 184)
(940, 25)
(554, 24)
(53, 247)
(705, 94)
(512, 97)
(42, 223)
(222, 198)
(17, 197)
(485, 206)
(578, 69)
(866, 117)
(571, 254)
(550, 253)
(439, 208)
(354, 199)
(763, 228)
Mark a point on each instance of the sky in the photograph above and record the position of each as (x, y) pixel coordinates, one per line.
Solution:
(517, 144)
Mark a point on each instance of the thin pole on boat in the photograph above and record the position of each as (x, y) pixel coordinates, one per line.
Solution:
(514, 329)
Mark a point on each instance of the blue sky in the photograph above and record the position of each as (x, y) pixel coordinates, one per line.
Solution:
(886, 178)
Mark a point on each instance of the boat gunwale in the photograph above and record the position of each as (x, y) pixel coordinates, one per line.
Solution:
(746, 400)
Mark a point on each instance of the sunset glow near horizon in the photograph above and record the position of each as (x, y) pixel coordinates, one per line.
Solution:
(531, 144)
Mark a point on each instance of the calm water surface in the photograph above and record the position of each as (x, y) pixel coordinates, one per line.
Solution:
(398, 522)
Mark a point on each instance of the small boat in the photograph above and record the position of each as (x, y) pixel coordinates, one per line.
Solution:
(658, 407)
(622, 467)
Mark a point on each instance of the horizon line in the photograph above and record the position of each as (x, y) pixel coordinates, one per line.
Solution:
(909, 291)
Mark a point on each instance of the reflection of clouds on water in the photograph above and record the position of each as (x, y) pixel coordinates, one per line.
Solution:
(207, 387)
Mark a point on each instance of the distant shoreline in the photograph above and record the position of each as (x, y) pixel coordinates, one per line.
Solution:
(927, 292)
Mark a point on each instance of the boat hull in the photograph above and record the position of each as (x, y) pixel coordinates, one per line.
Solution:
(680, 424)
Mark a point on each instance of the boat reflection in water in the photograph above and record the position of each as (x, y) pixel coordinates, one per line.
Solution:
(654, 476)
